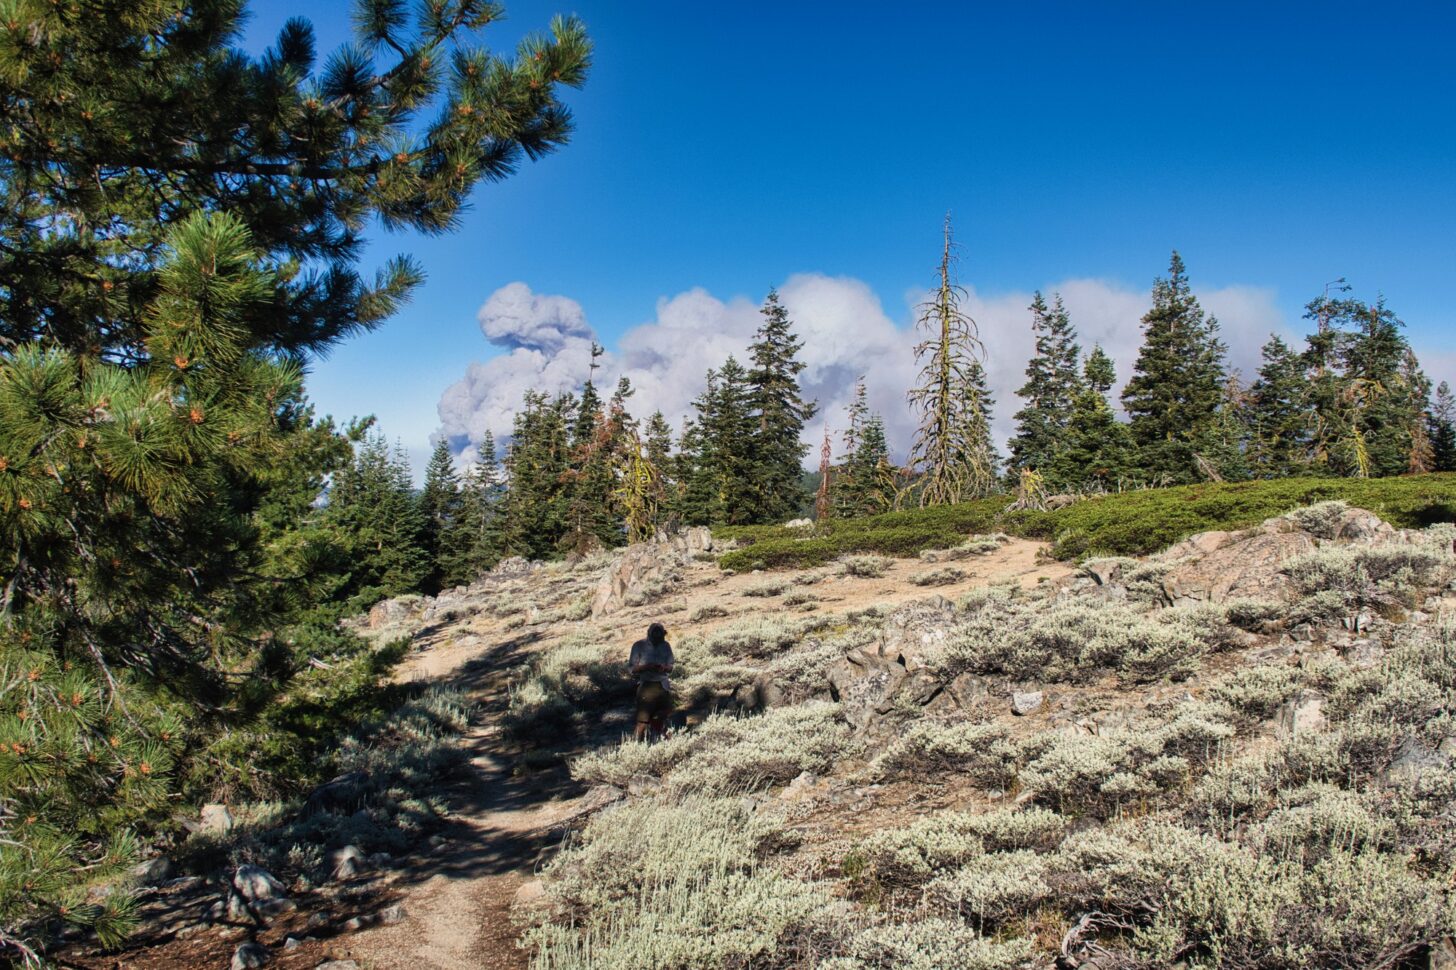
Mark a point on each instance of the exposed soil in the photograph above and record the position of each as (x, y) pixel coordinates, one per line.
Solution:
(457, 891)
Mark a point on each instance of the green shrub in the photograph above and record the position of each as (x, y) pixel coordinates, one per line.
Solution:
(772, 587)
(1124, 524)
(983, 753)
(930, 944)
(939, 577)
(865, 567)
(936, 844)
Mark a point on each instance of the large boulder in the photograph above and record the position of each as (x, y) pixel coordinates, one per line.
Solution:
(1215, 567)
(869, 680)
(646, 568)
(392, 612)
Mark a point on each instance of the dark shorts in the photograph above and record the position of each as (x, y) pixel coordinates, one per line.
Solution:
(653, 701)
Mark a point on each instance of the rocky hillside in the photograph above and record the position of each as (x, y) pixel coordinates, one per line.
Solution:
(1234, 753)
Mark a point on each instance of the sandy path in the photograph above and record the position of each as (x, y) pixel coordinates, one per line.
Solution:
(458, 895)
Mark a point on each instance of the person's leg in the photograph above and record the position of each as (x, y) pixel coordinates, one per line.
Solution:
(644, 715)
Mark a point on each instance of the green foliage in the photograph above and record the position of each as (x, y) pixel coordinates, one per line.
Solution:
(1052, 386)
(779, 414)
(168, 274)
(1128, 523)
(1174, 393)
(373, 511)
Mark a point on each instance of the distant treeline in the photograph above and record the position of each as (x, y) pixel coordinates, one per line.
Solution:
(581, 472)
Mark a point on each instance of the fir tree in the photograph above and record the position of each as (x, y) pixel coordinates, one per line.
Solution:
(478, 538)
(1173, 398)
(1279, 414)
(949, 458)
(780, 414)
(1098, 448)
(720, 447)
(372, 505)
(1052, 385)
(659, 453)
(537, 505)
(441, 509)
(1442, 429)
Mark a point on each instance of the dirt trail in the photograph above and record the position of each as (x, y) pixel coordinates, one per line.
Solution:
(458, 895)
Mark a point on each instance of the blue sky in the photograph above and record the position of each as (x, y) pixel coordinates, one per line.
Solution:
(729, 147)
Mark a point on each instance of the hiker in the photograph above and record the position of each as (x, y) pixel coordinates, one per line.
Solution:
(651, 662)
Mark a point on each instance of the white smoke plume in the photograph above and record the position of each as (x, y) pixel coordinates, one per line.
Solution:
(846, 333)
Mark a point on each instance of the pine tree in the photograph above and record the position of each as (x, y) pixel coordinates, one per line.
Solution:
(949, 457)
(780, 414)
(1098, 448)
(1279, 414)
(1442, 429)
(1173, 398)
(179, 234)
(441, 508)
(1052, 384)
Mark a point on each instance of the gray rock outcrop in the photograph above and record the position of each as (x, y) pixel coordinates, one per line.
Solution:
(646, 568)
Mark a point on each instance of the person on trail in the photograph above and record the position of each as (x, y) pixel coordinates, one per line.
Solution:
(651, 662)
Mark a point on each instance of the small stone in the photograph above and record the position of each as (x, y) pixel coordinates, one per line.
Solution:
(391, 915)
(1301, 715)
(530, 893)
(249, 955)
(153, 872)
(348, 862)
(1027, 702)
(338, 965)
(216, 819)
(183, 884)
(316, 920)
(292, 943)
(255, 883)
(1303, 633)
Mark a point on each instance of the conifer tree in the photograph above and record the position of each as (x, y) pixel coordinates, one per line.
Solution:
(1098, 450)
(537, 467)
(949, 460)
(720, 446)
(480, 539)
(1173, 398)
(372, 506)
(441, 509)
(779, 412)
(1052, 384)
(659, 452)
(823, 507)
(1279, 414)
(1442, 429)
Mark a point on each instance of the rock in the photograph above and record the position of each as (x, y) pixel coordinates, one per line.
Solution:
(1363, 653)
(1301, 715)
(1104, 571)
(1412, 759)
(153, 872)
(513, 566)
(1200, 544)
(394, 611)
(184, 884)
(338, 965)
(531, 893)
(1250, 565)
(249, 955)
(339, 794)
(1443, 954)
(390, 915)
(254, 883)
(1361, 528)
(216, 819)
(916, 632)
(639, 785)
(292, 943)
(799, 524)
(348, 862)
(862, 682)
(1358, 623)
(647, 566)
(1027, 702)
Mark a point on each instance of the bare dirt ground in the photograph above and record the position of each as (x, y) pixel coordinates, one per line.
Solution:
(457, 891)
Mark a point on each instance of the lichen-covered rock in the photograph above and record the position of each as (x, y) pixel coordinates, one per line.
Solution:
(647, 568)
(1248, 566)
